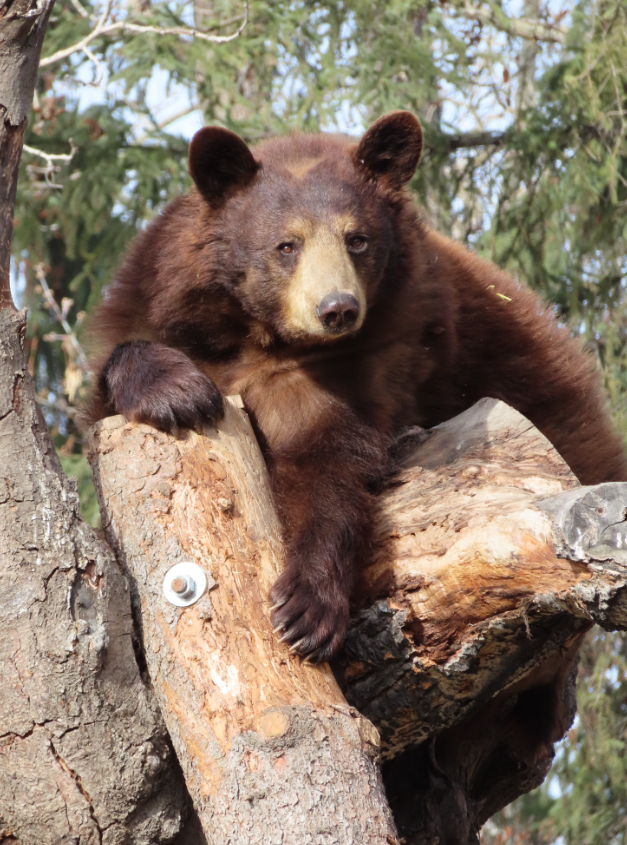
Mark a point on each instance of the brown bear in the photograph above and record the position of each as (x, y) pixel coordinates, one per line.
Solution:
(300, 275)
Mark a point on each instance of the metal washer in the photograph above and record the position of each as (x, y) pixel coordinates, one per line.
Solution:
(186, 569)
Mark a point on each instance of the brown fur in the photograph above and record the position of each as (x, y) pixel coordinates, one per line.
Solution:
(204, 287)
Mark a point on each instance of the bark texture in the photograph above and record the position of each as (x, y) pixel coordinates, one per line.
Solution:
(11, 140)
(270, 749)
(84, 754)
(490, 563)
(22, 28)
(463, 558)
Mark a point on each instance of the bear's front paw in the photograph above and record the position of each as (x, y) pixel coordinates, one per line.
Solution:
(179, 403)
(311, 617)
(155, 384)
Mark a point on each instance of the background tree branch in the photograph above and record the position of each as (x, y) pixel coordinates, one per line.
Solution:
(104, 28)
(524, 27)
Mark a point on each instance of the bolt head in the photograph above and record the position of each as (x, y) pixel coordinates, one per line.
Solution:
(184, 583)
(179, 585)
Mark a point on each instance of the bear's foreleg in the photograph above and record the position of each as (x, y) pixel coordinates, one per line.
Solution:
(158, 385)
(326, 508)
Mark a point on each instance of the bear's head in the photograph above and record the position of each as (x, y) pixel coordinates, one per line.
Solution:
(306, 223)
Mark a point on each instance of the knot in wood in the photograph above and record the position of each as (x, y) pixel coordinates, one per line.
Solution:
(274, 724)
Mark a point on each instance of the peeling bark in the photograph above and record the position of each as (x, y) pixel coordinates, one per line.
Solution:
(270, 750)
(489, 564)
(464, 566)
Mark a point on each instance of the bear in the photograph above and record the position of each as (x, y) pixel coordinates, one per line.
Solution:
(301, 274)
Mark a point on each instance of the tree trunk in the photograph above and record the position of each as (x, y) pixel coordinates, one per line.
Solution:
(84, 754)
(486, 572)
(22, 28)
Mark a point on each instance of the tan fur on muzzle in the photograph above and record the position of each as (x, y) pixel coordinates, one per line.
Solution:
(324, 267)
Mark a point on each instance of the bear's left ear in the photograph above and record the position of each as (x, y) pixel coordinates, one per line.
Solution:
(220, 163)
(390, 149)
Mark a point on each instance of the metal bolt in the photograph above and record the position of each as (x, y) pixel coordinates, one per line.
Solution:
(183, 587)
(184, 584)
(179, 585)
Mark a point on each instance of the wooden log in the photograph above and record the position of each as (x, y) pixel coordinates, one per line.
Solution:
(489, 564)
(270, 750)
(463, 559)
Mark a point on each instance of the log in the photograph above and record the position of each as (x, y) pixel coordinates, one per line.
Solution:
(270, 750)
(463, 563)
(489, 564)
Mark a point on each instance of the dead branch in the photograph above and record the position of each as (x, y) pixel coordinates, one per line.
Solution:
(105, 27)
(267, 743)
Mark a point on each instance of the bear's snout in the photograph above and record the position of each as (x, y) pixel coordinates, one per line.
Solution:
(338, 312)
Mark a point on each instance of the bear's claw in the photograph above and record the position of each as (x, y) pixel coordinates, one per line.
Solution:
(311, 618)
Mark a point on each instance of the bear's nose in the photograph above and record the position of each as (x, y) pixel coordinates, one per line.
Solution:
(338, 311)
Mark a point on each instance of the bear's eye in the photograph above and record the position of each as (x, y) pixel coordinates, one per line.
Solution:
(357, 243)
(286, 248)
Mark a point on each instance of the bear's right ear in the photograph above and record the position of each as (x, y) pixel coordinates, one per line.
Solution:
(220, 163)
(390, 149)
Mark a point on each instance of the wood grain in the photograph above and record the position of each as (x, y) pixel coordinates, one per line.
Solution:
(489, 564)
(260, 735)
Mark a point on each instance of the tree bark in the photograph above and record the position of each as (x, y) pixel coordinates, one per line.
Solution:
(84, 754)
(489, 565)
(486, 572)
(270, 750)
(22, 28)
